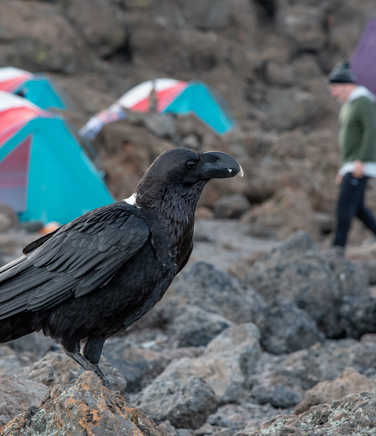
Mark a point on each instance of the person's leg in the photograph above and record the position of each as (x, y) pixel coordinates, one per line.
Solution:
(347, 207)
(364, 213)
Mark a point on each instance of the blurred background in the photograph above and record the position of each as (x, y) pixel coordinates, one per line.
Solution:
(263, 65)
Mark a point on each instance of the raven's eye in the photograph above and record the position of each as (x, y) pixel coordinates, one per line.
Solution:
(190, 164)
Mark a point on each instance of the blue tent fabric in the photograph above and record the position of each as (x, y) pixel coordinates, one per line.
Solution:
(40, 92)
(198, 99)
(62, 182)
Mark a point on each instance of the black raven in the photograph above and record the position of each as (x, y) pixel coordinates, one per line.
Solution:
(101, 272)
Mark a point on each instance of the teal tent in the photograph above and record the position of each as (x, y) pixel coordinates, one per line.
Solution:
(44, 173)
(198, 99)
(34, 88)
(40, 92)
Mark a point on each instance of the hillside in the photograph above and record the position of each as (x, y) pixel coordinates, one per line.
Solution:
(267, 60)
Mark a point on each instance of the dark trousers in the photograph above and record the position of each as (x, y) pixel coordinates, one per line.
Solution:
(351, 203)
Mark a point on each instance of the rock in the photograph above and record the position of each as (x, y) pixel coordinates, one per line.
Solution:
(215, 292)
(125, 160)
(8, 218)
(282, 380)
(340, 20)
(299, 242)
(140, 366)
(370, 266)
(102, 25)
(185, 401)
(50, 44)
(358, 315)
(349, 382)
(229, 361)
(17, 395)
(286, 328)
(231, 206)
(195, 327)
(161, 125)
(172, 431)
(314, 280)
(35, 344)
(276, 394)
(57, 368)
(235, 417)
(295, 108)
(282, 215)
(85, 407)
(203, 16)
(11, 363)
(355, 414)
(303, 24)
(279, 74)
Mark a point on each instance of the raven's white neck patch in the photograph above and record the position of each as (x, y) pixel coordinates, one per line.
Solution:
(131, 200)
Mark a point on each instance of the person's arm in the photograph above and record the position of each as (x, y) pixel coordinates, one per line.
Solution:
(366, 115)
(365, 112)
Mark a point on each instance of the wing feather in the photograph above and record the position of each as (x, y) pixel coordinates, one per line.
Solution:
(77, 259)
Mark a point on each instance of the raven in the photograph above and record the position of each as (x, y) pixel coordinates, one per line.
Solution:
(101, 272)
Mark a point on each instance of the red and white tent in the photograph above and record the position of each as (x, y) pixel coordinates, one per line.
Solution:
(167, 95)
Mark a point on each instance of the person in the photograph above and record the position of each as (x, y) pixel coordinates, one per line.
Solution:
(357, 140)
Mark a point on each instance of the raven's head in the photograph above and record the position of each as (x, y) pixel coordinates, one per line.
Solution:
(183, 172)
(185, 167)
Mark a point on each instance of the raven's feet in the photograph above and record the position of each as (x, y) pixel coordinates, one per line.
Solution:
(89, 366)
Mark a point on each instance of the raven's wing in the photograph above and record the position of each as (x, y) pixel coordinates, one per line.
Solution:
(80, 257)
(38, 242)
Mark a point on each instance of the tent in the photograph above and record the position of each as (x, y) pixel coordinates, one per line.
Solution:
(44, 173)
(363, 61)
(170, 95)
(36, 89)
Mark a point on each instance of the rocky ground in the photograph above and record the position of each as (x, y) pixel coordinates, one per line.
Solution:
(279, 338)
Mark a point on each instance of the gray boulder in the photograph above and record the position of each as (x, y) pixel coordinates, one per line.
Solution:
(302, 24)
(11, 362)
(50, 44)
(313, 280)
(358, 315)
(215, 291)
(282, 380)
(233, 417)
(141, 365)
(231, 206)
(184, 400)
(36, 344)
(229, 361)
(102, 25)
(195, 327)
(18, 395)
(295, 108)
(286, 328)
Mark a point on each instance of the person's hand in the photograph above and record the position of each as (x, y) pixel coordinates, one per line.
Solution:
(338, 179)
(358, 170)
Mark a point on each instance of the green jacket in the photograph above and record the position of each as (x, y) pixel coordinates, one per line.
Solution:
(357, 130)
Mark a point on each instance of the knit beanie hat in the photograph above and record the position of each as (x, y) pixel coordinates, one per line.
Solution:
(342, 74)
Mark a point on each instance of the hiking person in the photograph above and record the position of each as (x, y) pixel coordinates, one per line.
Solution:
(357, 140)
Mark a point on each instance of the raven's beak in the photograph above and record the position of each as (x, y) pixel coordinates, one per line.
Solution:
(219, 165)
